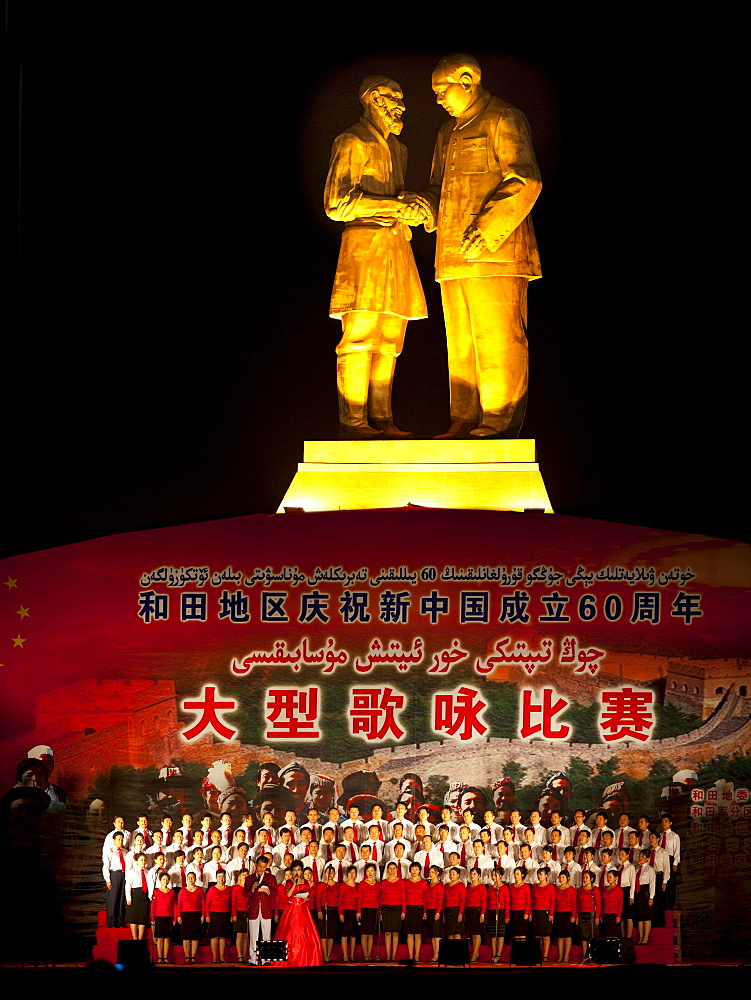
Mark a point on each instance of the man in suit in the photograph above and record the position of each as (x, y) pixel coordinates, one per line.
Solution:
(483, 183)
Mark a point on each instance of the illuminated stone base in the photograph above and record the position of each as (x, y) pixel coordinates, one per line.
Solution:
(360, 475)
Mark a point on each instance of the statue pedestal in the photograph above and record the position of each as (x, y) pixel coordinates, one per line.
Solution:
(359, 475)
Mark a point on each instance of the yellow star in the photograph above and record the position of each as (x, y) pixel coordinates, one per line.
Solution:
(18, 641)
(23, 612)
(11, 584)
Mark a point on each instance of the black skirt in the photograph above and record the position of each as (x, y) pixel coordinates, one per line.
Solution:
(392, 919)
(368, 920)
(472, 923)
(191, 925)
(540, 923)
(641, 903)
(328, 925)
(413, 922)
(562, 926)
(433, 927)
(219, 925)
(451, 918)
(495, 923)
(610, 926)
(163, 927)
(627, 912)
(586, 926)
(517, 925)
(241, 922)
(348, 926)
(137, 912)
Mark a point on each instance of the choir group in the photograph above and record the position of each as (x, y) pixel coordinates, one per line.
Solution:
(352, 877)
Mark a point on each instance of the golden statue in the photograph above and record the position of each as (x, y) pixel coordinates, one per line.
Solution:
(377, 287)
(483, 183)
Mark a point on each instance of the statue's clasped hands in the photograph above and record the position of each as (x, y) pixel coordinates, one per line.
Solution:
(414, 210)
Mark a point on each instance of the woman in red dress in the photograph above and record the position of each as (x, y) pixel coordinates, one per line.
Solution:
(297, 927)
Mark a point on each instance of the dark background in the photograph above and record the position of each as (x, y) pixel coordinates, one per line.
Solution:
(169, 349)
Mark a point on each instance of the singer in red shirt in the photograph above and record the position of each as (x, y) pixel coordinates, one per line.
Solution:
(497, 913)
(163, 917)
(474, 911)
(434, 897)
(565, 917)
(348, 914)
(327, 905)
(189, 911)
(415, 888)
(368, 903)
(543, 908)
(393, 909)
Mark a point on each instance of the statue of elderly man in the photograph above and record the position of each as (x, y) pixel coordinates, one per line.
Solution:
(377, 288)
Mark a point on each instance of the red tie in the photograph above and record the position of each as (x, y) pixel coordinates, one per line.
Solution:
(464, 855)
(597, 840)
(200, 870)
(652, 858)
(354, 828)
(219, 867)
(565, 868)
(182, 876)
(477, 863)
(638, 880)
(352, 853)
(143, 881)
(314, 869)
(167, 839)
(307, 851)
(122, 859)
(341, 878)
(441, 846)
(620, 839)
(581, 857)
(398, 869)
(620, 873)
(380, 833)
(375, 852)
(292, 838)
(427, 865)
(664, 841)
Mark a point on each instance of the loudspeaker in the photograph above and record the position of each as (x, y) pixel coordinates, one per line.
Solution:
(133, 955)
(525, 951)
(272, 951)
(453, 953)
(605, 951)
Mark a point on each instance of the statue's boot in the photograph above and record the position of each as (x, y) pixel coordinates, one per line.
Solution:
(458, 429)
(352, 380)
(379, 397)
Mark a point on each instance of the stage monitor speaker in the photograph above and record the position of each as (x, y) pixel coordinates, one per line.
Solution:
(525, 951)
(133, 955)
(453, 953)
(272, 951)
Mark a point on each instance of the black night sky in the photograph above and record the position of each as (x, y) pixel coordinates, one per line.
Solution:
(169, 349)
